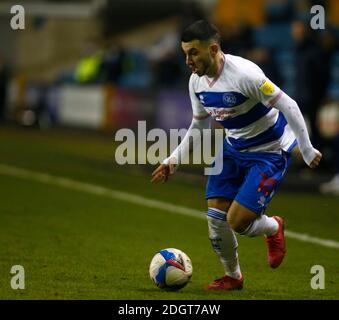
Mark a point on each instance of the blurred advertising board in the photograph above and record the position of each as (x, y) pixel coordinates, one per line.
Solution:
(81, 106)
(173, 110)
(125, 107)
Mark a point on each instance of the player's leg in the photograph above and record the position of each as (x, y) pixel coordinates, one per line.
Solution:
(249, 223)
(224, 243)
(246, 216)
(219, 192)
(222, 237)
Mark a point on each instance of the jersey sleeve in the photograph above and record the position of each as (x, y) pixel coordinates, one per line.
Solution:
(257, 86)
(199, 111)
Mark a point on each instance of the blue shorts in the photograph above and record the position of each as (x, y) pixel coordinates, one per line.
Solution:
(249, 178)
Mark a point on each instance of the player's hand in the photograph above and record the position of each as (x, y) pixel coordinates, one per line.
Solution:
(162, 173)
(316, 160)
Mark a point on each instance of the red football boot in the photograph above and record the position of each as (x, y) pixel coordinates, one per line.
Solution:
(226, 283)
(276, 245)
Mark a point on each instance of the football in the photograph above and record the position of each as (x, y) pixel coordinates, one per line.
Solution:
(171, 269)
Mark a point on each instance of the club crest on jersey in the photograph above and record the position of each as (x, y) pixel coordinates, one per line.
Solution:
(229, 99)
(266, 87)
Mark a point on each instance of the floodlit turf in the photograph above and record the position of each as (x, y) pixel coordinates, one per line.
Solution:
(76, 245)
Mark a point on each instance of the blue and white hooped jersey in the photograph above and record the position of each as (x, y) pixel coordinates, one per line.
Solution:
(241, 98)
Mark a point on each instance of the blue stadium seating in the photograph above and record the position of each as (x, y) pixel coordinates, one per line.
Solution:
(274, 36)
(285, 60)
(136, 73)
(333, 90)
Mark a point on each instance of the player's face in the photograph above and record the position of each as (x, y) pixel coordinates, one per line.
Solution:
(198, 56)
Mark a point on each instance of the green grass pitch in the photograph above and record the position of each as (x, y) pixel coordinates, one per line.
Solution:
(76, 245)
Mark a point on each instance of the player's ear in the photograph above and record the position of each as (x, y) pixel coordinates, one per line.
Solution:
(214, 48)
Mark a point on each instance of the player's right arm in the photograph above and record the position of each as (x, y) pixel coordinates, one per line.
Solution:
(258, 86)
(200, 121)
(294, 117)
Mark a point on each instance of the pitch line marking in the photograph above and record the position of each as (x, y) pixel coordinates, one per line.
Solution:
(135, 199)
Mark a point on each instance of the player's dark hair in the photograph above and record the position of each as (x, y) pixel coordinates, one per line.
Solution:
(200, 30)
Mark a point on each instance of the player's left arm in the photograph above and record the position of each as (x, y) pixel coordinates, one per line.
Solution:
(257, 85)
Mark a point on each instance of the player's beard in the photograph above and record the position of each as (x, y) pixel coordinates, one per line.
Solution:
(202, 68)
(204, 65)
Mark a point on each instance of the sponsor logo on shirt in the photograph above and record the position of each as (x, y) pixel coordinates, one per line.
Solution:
(221, 114)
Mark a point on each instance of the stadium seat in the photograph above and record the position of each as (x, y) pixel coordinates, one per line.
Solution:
(285, 60)
(333, 91)
(136, 73)
(278, 11)
(335, 67)
(274, 36)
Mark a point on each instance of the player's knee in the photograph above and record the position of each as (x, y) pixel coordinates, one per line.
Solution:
(219, 203)
(239, 217)
(235, 224)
